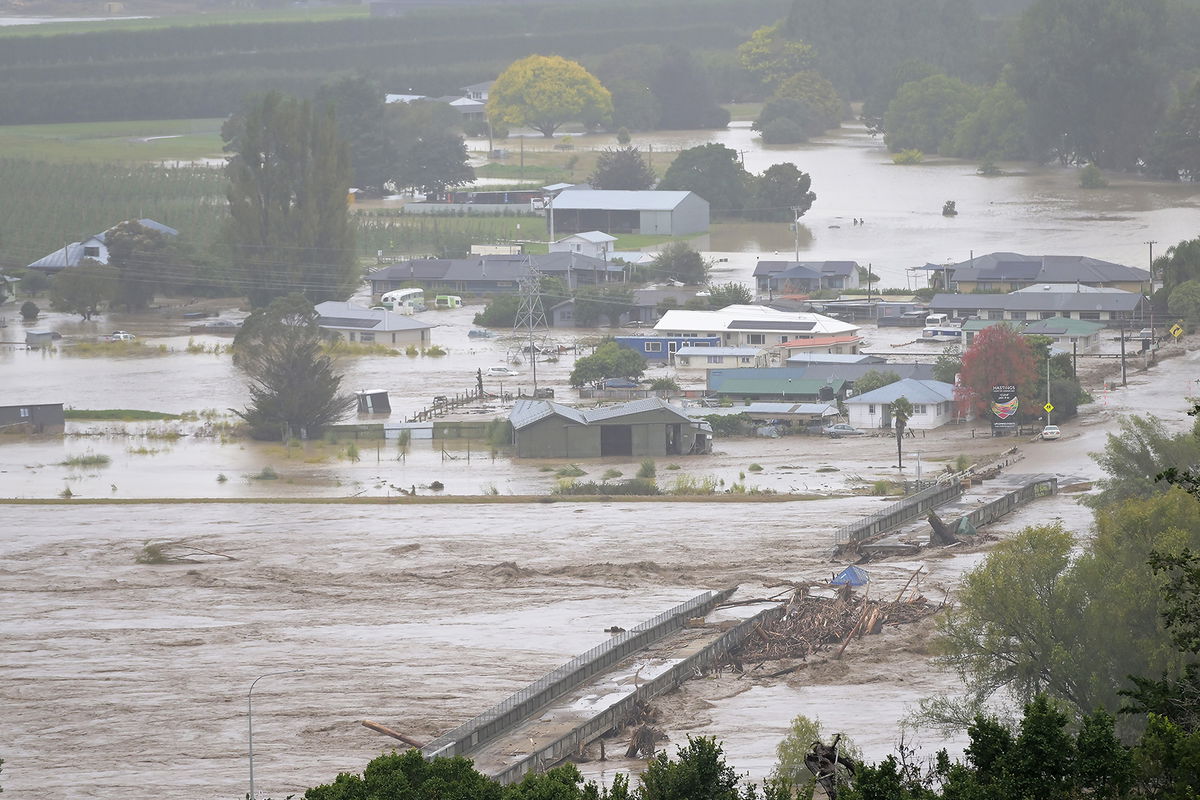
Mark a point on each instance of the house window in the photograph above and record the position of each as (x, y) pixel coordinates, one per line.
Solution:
(870, 408)
(91, 252)
(747, 359)
(985, 286)
(715, 359)
(1094, 315)
(995, 315)
(782, 339)
(683, 361)
(350, 336)
(24, 412)
(919, 408)
(700, 344)
(366, 337)
(1048, 315)
(653, 347)
(756, 338)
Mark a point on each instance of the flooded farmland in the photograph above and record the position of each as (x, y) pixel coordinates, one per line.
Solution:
(419, 616)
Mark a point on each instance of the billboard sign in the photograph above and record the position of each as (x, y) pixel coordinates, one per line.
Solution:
(1004, 401)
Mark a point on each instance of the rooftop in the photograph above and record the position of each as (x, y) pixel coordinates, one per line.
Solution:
(346, 316)
(526, 412)
(1004, 266)
(752, 317)
(617, 200)
(916, 391)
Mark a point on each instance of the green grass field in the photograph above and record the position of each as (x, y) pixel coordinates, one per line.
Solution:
(188, 20)
(125, 142)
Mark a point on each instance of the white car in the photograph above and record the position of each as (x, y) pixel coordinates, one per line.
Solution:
(120, 336)
(1051, 432)
(501, 372)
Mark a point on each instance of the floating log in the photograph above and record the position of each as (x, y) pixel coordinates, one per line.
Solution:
(375, 726)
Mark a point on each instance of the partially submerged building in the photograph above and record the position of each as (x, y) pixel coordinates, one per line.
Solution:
(641, 428)
(371, 325)
(932, 402)
(32, 418)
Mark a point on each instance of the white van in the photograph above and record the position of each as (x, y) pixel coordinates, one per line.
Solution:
(447, 301)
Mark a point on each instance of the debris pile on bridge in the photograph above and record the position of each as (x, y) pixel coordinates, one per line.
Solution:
(811, 624)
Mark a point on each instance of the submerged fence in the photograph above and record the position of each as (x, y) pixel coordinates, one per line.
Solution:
(512, 711)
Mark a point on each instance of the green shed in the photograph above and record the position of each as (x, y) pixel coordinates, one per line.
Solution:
(641, 428)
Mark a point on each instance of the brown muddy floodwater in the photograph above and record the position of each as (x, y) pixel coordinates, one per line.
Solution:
(117, 675)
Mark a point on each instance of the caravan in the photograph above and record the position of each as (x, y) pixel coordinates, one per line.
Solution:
(444, 301)
(404, 301)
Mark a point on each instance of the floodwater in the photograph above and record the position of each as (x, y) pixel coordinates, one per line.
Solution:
(6, 21)
(1033, 210)
(419, 617)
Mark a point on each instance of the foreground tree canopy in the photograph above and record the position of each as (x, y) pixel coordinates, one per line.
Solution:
(289, 175)
(543, 92)
(295, 388)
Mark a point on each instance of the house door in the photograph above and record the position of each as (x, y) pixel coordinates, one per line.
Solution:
(674, 434)
(616, 440)
(672, 347)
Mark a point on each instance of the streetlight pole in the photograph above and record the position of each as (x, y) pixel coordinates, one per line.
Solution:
(250, 718)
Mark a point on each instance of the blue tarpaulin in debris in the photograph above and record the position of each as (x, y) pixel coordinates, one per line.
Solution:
(852, 575)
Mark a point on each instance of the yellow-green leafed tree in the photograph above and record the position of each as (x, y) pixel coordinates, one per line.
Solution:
(543, 92)
(771, 56)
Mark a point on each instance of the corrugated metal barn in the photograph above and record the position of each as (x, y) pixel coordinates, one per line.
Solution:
(650, 427)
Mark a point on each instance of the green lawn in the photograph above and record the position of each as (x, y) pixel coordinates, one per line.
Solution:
(136, 141)
(744, 111)
(189, 20)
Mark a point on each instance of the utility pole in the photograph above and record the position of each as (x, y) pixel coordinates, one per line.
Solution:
(1123, 351)
(797, 212)
(1152, 242)
(1047, 385)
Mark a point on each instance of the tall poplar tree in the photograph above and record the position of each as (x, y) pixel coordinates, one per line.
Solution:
(289, 175)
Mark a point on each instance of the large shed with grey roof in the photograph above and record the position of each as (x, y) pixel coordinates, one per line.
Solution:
(642, 428)
(615, 211)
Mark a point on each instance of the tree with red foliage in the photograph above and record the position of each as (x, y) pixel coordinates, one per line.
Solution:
(998, 356)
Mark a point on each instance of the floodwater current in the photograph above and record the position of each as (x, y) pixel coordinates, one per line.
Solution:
(420, 616)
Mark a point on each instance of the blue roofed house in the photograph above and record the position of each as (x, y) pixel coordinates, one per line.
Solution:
(932, 401)
(93, 247)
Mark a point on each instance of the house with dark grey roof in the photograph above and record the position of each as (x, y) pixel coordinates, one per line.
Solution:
(1007, 272)
(615, 211)
(803, 277)
(638, 429)
(93, 247)
(492, 274)
(1113, 307)
(371, 325)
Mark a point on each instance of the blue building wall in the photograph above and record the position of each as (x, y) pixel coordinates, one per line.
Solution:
(659, 348)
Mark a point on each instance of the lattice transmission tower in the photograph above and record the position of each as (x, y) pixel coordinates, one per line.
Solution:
(530, 325)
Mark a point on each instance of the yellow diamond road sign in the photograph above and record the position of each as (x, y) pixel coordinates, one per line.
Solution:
(1177, 330)
(1049, 407)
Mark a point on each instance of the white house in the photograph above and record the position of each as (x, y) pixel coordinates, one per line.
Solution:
(932, 402)
(372, 326)
(700, 360)
(93, 247)
(759, 326)
(591, 243)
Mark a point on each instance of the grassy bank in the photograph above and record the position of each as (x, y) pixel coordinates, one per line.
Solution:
(117, 414)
